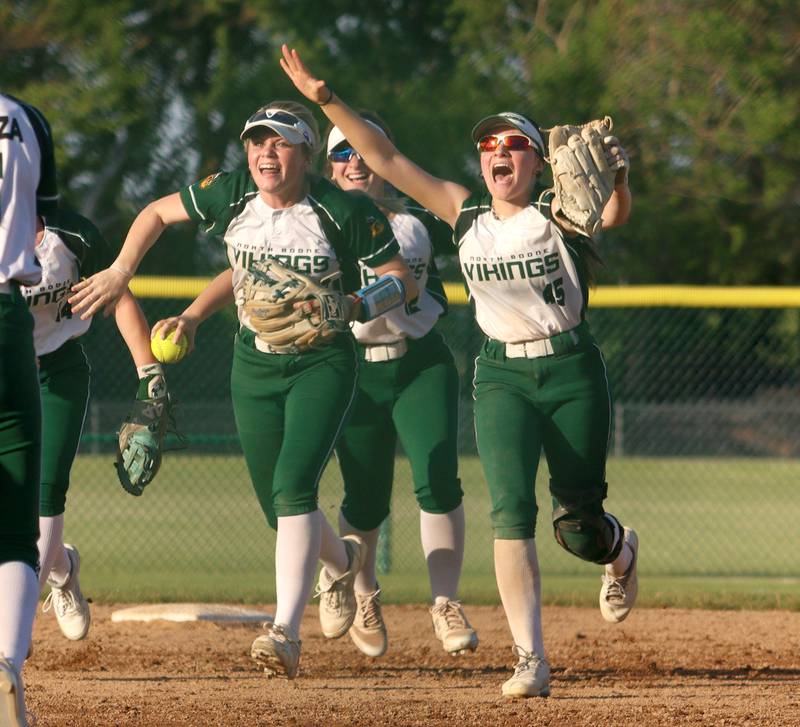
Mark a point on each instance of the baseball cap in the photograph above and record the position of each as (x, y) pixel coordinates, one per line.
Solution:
(289, 126)
(509, 118)
(336, 136)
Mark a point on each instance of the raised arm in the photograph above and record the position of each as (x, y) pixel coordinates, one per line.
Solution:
(618, 208)
(103, 289)
(215, 296)
(441, 197)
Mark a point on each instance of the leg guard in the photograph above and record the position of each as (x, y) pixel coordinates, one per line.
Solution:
(582, 527)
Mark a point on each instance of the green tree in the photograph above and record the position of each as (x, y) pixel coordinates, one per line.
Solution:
(705, 98)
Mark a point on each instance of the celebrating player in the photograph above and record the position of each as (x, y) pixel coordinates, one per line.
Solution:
(540, 379)
(290, 405)
(408, 387)
(27, 185)
(68, 247)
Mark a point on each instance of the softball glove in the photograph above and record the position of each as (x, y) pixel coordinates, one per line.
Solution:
(289, 311)
(141, 440)
(583, 179)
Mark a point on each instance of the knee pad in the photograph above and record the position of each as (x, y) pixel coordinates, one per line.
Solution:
(583, 528)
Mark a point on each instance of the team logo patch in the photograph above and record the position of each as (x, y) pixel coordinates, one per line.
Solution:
(209, 180)
(376, 226)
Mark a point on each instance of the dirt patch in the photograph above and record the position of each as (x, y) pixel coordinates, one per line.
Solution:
(660, 667)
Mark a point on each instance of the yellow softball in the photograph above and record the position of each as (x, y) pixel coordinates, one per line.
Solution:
(166, 350)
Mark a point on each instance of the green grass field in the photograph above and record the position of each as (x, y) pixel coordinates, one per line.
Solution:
(714, 533)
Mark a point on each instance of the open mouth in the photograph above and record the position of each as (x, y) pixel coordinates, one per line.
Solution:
(357, 178)
(502, 173)
(268, 168)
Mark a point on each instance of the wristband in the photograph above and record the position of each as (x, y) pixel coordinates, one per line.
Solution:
(385, 294)
(325, 103)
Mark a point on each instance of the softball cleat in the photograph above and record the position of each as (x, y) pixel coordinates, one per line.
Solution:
(277, 652)
(337, 598)
(531, 676)
(12, 700)
(618, 593)
(71, 608)
(451, 627)
(368, 631)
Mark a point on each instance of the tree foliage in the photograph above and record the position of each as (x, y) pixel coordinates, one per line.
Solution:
(145, 97)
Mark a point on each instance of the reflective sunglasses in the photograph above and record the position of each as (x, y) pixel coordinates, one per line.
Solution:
(343, 155)
(512, 142)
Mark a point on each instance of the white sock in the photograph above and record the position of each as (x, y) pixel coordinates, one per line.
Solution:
(442, 537)
(296, 555)
(332, 552)
(19, 597)
(366, 579)
(619, 566)
(52, 554)
(516, 567)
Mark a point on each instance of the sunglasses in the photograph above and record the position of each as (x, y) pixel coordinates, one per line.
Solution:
(512, 142)
(343, 155)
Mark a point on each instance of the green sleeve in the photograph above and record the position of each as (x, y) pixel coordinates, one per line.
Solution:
(215, 199)
(471, 208)
(47, 191)
(440, 233)
(369, 233)
(83, 239)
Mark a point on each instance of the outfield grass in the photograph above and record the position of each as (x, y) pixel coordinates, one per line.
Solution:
(713, 532)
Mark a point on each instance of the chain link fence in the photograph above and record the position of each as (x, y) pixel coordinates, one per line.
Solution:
(703, 458)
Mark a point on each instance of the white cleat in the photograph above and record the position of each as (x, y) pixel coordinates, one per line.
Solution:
(531, 676)
(71, 608)
(337, 598)
(368, 631)
(618, 593)
(451, 627)
(277, 652)
(12, 699)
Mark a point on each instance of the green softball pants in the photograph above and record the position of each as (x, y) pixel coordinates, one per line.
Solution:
(289, 412)
(64, 381)
(414, 398)
(20, 434)
(560, 403)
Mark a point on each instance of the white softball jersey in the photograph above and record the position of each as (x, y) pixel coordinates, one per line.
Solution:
(420, 235)
(71, 248)
(27, 184)
(524, 277)
(328, 232)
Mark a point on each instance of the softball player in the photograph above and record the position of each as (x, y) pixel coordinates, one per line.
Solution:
(540, 379)
(408, 388)
(68, 247)
(289, 409)
(27, 184)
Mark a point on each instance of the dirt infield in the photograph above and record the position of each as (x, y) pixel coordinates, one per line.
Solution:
(660, 667)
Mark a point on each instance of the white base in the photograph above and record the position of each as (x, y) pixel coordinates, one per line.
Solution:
(181, 612)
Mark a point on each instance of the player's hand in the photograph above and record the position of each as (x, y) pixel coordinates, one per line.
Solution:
(312, 88)
(617, 158)
(177, 326)
(100, 291)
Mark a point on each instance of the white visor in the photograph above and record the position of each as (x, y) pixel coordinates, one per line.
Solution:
(336, 136)
(289, 126)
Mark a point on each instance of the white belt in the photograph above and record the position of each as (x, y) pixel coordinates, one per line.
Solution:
(534, 349)
(264, 347)
(6, 288)
(385, 351)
